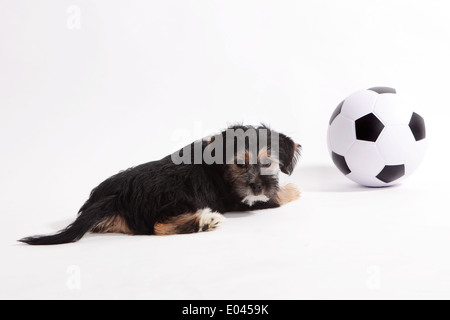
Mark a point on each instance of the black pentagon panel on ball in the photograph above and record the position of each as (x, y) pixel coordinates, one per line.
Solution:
(417, 125)
(368, 128)
(391, 173)
(340, 163)
(383, 90)
(336, 112)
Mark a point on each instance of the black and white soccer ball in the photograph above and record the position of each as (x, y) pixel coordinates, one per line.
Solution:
(375, 139)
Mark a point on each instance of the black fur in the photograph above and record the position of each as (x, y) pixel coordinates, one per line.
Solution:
(157, 191)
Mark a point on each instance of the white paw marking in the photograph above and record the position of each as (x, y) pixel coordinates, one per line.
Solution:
(210, 220)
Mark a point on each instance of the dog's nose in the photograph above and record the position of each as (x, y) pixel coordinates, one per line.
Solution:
(256, 187)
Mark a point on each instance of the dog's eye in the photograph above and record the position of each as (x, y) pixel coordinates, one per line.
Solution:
(266, 163)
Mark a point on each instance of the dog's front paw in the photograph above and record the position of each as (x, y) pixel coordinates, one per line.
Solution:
(287, 193)
(210, 220)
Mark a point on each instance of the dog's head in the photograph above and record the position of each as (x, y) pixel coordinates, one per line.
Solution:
(254, 157)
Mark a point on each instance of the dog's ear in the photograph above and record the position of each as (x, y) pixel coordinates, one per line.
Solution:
(289, 153)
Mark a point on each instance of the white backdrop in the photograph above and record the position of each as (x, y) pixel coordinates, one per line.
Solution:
(88, 88)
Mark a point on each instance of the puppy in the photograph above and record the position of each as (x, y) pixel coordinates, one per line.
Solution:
(187, 192)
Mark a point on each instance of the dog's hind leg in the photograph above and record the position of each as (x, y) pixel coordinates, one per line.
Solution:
(199, 221)
(112, 224)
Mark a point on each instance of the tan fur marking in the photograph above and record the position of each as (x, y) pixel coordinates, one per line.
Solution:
(200, 221)
(171, 226)
(114, 224)
(287, 193)
(248, 157)
(263, 154)
(243, 157)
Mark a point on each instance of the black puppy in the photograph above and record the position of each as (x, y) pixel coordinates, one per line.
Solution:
(186, 192)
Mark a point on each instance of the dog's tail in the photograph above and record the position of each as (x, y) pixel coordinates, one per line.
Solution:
(89, 217)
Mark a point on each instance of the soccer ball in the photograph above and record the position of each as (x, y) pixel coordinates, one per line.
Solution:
(375, 139)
